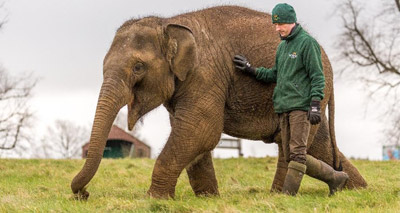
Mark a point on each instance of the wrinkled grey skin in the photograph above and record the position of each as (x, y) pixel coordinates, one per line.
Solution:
(185, 63)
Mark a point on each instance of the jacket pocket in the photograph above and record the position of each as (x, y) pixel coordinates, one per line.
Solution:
(303, 89)
(297, 88)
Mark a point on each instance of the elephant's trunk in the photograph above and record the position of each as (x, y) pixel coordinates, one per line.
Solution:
(111, 99)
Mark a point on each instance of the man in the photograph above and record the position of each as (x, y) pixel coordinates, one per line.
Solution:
(299, 89)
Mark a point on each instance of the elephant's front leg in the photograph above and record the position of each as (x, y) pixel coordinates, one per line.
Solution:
(281, 170)
(166, 171)
(202, 175)
(195, 131)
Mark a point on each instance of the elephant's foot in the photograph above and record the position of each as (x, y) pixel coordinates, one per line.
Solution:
(279, 177)
(356, 180)
(160, 193)
(81, 195)
(276, 188)
(202, 176)
(207, 193)
(162, 182)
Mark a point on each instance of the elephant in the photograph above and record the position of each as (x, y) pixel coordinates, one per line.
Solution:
(185, 64)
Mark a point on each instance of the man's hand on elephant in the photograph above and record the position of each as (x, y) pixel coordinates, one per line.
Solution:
(314, 113)
(243, 64)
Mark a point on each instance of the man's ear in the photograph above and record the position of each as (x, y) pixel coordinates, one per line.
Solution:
(181, 50)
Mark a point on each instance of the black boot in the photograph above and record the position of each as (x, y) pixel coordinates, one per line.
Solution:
(293, 178)
(320, 170)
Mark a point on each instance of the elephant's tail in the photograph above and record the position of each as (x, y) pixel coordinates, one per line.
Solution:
(337, 164)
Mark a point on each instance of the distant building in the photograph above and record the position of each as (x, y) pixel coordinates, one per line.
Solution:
(121, 144)
(391, 152)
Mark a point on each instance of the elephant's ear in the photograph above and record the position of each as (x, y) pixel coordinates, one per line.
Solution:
(181, 51)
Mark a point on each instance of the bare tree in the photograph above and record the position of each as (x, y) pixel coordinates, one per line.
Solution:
(43, 149)
(393, 134)
(3, 17)
(15, 113)
(65, 139)
(370, 48)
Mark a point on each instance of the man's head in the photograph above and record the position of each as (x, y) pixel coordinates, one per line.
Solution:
(284, 19)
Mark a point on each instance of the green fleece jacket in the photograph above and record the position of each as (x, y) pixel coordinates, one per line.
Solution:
(297, 72)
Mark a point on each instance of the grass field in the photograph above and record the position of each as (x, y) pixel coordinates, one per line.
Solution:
(121, 185)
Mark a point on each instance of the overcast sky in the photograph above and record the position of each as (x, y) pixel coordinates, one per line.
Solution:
(64, 42)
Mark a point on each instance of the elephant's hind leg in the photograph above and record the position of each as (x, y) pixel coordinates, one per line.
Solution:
(281, 170)
(321, 149)
(202, 175)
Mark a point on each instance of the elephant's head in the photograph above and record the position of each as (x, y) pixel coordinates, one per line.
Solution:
(140, 70)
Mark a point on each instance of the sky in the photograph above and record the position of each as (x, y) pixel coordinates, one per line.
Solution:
(64, 42)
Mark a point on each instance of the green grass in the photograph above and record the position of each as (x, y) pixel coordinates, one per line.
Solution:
(121, 185)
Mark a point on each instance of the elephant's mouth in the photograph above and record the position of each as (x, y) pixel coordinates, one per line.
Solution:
(133, 115)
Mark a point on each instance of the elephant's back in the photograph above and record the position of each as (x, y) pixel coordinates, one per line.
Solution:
(224, 31)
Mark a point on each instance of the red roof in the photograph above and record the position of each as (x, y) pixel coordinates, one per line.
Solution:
(117, 133)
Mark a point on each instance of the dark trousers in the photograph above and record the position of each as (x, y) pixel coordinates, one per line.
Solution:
(295, 129)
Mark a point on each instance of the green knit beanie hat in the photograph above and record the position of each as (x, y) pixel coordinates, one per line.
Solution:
(283, 13)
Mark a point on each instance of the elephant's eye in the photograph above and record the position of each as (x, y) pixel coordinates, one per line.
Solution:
(138, 67)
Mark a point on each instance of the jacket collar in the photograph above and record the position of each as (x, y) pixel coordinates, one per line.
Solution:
(295, 31)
